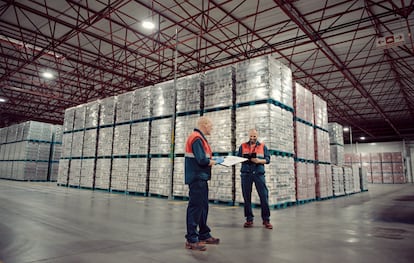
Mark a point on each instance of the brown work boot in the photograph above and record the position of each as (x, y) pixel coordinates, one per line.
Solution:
(195, 246)
(248, 224)
(211, 241)
(267, 225)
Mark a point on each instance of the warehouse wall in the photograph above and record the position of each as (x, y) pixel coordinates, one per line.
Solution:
(406, 148)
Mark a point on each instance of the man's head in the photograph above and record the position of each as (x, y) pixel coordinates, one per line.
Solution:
(205, 125)
(253, 136)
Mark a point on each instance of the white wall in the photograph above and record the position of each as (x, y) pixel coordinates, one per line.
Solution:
(407, 148)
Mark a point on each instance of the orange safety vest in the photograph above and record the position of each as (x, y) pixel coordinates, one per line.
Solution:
(189, 149)
(257, 148)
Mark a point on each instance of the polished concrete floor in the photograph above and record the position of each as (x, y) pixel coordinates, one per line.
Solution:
(42, 222)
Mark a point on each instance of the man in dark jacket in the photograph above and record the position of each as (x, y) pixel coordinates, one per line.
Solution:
(198, 162)
(253, 171)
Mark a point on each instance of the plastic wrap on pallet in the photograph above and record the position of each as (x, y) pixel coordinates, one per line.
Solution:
(141, 104)
(363, 176)
(220, 139)
(75, 172)
(323, 174)
(68, 119)
(102, 174)
(63, 172)
(338, 180)
(348, 180)
(87, 173)
(189, 93)
(274, 125)
(121, 140)
(161, 136)
(337, 154)
(355, 178)
(162, 99)
(304, 141)
(124, 107)
(221, 185)
(105, 141)
(303, 103)
(322, 148)
(67, 139)
(336, 133)
(137, 175)
(179, 188)
(77, 143)
(184, 125)
(139, 138)
(89, 143)
(107, 111)
(80, 115)
(92, 114)
(119, 174)
(218, 87)
(320, 108)
(160, 174)
(305, 181)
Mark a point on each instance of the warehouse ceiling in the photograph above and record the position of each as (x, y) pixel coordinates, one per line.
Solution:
(357, 55)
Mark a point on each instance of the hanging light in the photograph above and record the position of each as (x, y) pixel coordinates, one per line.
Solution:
(2, 100)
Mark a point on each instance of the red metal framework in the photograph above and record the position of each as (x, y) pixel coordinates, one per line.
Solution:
(98, 49)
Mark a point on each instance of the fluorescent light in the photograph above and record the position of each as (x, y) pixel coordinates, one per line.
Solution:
(148, 24)
(3, 100)
(47, 75)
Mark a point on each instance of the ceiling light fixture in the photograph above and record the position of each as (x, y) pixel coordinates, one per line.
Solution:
(362, 138)
(148, 24)
(346, 129)
(47, 75)
(3, 100)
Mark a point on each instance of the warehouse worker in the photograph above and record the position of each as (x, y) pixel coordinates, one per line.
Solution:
(253, 171)
(198, 162)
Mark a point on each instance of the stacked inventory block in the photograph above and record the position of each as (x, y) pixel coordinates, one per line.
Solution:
(137, 175)
(162, 99)
(348, 180)
(366, 164)
(221, 135)
(90, 139)
(274, 125)
(398, 168)
(139, 138)
(323, 174)
(338, 180)
(189, 93)
(218, 88)
(179, 188)
(184, 126)
(376, 168)
(67, 138)
(356, 178)
(25, 151)
(305, 181)
(105, 143)
(159, 179)
(336, 139)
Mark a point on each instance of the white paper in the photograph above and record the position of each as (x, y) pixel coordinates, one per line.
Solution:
(233, 160)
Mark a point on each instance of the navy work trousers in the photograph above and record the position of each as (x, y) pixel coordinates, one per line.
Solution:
(197, 212)
(247, 185)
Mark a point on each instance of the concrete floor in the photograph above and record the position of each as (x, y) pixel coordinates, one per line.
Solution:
(42, 222)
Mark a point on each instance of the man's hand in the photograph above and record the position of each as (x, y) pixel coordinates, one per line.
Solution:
(218, 160)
